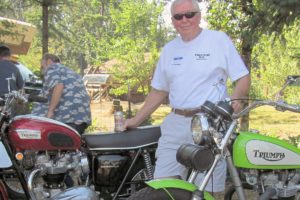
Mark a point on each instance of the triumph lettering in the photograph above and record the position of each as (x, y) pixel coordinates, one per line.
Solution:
(269, 156)
(202, 56)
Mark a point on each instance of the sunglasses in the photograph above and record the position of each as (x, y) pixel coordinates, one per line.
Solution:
(187, 15)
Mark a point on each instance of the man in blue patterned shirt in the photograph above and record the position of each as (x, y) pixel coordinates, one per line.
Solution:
(68, 99)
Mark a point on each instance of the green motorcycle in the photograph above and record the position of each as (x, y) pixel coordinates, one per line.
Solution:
(267, 166)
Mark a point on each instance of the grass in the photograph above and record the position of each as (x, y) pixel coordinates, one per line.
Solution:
(265, 119)
(271, 122)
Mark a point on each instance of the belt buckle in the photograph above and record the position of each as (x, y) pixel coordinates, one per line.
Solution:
(185, 113)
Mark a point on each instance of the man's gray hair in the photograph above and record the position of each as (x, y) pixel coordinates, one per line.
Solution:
(176, 2)
(52, 57)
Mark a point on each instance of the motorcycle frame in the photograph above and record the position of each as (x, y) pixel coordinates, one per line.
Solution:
(141, 151)
(15, 166)
(199, 194)
(224, 153)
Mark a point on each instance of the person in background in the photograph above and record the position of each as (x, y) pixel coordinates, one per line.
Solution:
(10, 76)
(193, 68)
(68, 99)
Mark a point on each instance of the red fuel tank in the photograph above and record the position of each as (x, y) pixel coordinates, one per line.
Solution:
(28, 132)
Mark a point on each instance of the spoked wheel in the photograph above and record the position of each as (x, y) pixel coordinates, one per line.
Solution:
(161, 194)
(230, 193)
(139, 179)
(3, 191)
(14, 188)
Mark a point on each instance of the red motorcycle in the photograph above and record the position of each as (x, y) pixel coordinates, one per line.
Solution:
(42, 155)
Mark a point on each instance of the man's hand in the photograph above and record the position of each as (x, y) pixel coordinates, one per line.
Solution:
(241, 90)
(129, 123)
(237, 106)
(50, 114)
(152, 102)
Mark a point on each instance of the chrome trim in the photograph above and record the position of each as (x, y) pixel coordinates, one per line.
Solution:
(45, 119)
(29, 134)
(122, 148)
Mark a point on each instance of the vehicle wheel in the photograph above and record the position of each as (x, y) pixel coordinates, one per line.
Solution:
(161, 194)
(14, 188)
(3, 191)
(231, 195)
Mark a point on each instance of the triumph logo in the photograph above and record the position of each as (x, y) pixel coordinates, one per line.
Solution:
(269, 156)
(29, 134)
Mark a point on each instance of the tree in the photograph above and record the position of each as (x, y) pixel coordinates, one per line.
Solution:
(136, 42)
(246, 20)
(277, 57)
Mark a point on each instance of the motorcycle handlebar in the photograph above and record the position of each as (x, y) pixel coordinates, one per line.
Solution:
(26, 98)
(16, 95)
(279, 105)
(36, 98)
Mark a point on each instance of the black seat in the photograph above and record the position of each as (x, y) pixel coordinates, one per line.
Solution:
(129, 139)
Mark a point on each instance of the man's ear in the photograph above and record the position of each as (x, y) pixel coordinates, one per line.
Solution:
(49, 62)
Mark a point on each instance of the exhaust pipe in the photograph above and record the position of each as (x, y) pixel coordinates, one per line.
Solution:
(30, 181)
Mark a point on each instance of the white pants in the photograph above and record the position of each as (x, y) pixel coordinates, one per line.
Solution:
(175, 131)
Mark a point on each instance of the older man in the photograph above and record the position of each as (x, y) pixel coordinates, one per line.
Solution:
(69, 101)
(192, 68)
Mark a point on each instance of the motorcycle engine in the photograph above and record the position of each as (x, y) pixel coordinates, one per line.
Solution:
(286, 182)
(110, 169)
(54, 169)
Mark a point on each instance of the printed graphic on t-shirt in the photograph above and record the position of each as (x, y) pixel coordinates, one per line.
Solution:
(202, 56)
(177, 60)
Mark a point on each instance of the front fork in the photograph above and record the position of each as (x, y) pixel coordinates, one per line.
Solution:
(199, 193)
(236, 181)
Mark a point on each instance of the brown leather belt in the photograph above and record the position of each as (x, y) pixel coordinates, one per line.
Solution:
(186, 112)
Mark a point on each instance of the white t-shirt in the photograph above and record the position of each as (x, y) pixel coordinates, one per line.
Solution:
(195, 71)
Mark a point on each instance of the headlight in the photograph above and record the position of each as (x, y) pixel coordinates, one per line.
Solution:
(197, 157)
(199, 127)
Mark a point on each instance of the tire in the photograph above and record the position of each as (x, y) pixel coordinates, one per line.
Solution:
(14, 189)
(3, 191)
(160, 194)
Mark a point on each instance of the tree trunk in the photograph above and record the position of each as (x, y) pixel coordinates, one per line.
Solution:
(246, 54)
(45, 30)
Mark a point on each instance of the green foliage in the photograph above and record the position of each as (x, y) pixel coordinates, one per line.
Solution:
(294, 140)
(135, 44)
(276, 57)
(236, 18)
(267, 34)
(33, 59)
(93, 127)
(98, 31)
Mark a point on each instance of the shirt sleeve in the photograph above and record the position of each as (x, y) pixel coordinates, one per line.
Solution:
(236, 67)
(53, 77)
(19, 79)
(159, 80)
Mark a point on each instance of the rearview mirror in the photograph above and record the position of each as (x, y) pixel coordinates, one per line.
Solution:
(293, 80)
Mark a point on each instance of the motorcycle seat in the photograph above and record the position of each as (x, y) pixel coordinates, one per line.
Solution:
(129, 139)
